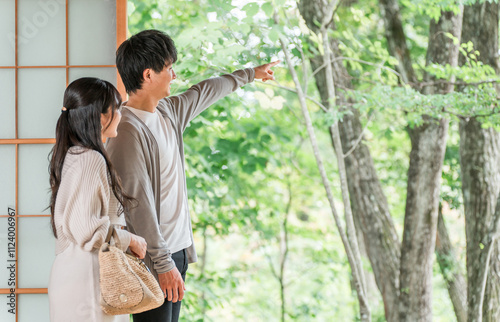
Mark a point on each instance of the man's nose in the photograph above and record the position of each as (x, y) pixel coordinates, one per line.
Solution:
(175, 75)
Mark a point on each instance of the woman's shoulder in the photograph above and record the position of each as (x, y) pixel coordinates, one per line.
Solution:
(85, 159)
(84, 173)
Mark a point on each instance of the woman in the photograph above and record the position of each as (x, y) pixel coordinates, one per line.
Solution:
(87, 198)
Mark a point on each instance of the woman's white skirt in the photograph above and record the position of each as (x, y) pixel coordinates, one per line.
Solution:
(74, 288)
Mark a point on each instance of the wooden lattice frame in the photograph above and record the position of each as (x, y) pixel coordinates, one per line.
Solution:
(121, 34)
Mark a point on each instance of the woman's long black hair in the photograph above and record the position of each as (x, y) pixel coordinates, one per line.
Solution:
(85, 99)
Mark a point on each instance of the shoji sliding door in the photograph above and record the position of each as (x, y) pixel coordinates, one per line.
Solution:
(44, 45)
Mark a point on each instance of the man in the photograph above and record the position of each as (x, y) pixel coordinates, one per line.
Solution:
(148, 154)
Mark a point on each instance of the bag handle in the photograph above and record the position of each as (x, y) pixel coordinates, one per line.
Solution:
(112, 233)
(111, 230)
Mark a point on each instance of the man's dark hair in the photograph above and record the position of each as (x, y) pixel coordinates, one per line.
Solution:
(147, 49)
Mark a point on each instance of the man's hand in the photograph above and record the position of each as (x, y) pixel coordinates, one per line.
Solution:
(264, 72)
(172, 285)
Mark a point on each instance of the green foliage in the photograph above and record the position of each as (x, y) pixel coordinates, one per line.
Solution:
(475, 101)
(245, 151)
(240, 153)
(433, 8)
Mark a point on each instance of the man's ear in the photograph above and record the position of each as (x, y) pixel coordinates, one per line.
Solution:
(146, 75)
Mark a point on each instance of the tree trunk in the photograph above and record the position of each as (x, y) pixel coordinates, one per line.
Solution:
(363, 304)
(426, 157)
(491, 311)
(417, 251)
(424, 181)
(479, 161)
(369, 204)
(455, 281)
(284, 251)
(396, 39)
(337, 144)
(372, 291)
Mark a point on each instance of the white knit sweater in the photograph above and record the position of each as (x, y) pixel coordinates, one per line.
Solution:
(84, 205)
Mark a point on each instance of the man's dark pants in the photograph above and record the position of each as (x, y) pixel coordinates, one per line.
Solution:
(168, 312)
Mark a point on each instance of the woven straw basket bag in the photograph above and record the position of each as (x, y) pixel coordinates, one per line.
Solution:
(127, 285)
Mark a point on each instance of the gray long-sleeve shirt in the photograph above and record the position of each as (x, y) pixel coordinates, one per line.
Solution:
(135, 155)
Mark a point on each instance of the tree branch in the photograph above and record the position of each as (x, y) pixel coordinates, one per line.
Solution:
(290, 89)
(445, 254)
(359, 139)
(364, 311)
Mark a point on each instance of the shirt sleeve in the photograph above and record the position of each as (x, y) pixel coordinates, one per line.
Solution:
(87, 200)
(199, 97)
(127, 156)
(123, 239)
(117, 217)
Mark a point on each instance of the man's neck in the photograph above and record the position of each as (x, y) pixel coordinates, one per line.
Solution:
(142, 102)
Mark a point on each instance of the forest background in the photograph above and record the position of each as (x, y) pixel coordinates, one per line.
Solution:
(363, 183)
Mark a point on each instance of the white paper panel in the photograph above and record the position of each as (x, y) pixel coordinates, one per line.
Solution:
(33, 307)
(7, 33)
(92, 32)
(5, 316)
(41, 32)
(34, 186)
(6, 279)
(8, 97)
(40, 97)
(105, 73)
(7, 179)
(36, 251)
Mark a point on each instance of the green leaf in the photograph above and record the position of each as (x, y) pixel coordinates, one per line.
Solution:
(251, 9)
(274, 35)
(296, 53)
(268, 9)
(265, 138)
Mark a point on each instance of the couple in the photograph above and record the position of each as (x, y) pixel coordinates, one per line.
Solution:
(137, 182)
